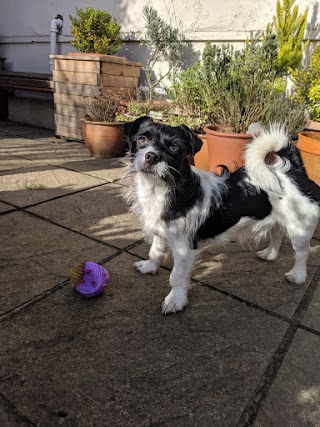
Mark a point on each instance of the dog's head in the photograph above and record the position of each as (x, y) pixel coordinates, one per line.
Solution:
(159, 149)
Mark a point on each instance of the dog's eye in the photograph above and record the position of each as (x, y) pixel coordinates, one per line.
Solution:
(142, 140)
(173, 149)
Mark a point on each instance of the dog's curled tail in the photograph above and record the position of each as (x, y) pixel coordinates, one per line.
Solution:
(264, 163)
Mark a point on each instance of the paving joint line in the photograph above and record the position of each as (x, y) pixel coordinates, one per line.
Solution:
(65, 195)
(244, 301)
(94, 239)
(48, 292)
(226, 294)
(14, 412)
(23, 208)
(251, 411)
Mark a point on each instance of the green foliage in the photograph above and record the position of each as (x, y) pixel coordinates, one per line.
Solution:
(234, 88)
(289, 26)
(189, 95)
(307, 85)
(240, 81)
(279, 108)
(95, 31)
(138, 109)
(164, 43)
(314, 98)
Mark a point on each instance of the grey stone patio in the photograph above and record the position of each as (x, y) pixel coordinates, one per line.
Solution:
(244, 352)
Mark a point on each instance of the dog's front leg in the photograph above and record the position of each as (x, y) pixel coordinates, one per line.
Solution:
(184, 258)
(156, 253)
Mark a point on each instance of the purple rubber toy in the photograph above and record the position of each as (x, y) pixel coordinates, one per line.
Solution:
(89, 279)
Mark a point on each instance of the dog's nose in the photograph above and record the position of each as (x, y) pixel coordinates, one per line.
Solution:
(152, 158)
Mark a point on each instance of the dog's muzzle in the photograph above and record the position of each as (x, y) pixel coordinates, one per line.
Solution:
(149, 160)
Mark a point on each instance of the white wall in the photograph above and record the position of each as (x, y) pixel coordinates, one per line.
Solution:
(25, 24)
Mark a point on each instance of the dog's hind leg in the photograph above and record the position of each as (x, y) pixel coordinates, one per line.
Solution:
(272, 251)
(184, 259)
(156, 253)
(300, 236)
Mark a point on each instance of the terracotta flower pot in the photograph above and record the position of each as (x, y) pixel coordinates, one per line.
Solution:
(311, 125)
(309, 144)
(226, 149)
(104, 139)
(201, 158)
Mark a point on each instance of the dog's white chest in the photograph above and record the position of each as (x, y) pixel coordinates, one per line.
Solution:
(151, 200)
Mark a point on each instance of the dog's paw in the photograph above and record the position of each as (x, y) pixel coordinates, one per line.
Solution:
(296, 277)
(146, 267)
(175, 301)
(267, 254)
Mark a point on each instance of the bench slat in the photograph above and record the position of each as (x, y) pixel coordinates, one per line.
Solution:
(26, 81)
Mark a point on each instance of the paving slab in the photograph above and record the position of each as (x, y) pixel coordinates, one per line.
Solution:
(18, 129)
(27, 186)
(116, 361)
(108, 169)
(99, 212)
(42, 152)
(9, 161)
(238, 271)
(37, 255)
(312, 315)
(294, 397)
(4, 207)
(9, 417)
(241, 273)
(9, 143)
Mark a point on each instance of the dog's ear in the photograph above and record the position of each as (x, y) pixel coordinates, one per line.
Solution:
(130, 128)
(193, 143)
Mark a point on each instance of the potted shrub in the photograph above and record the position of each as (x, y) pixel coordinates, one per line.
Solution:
(231, 89)
(103, 133)
(164, 44)
(244, 88)
(307, 90)
(78, 75)
(190, 102)
(95, 31)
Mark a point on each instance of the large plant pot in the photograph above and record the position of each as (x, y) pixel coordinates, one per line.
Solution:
(226, 149)
(201, 158)
(104, 139)
(309, 144)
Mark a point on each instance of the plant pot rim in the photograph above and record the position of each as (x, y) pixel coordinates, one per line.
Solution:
(310, 134)
(311, 126)
(209, 129)
(93, 122)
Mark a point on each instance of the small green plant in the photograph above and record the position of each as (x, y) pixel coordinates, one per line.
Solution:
(289, 26)
(189, 96)
(35, 187)
(314, 99)
(164, 44)
(307, 85)
(95, 31)
(281, 109)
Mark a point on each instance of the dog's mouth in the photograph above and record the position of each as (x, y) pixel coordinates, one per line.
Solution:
(159, 169)
(151, 163)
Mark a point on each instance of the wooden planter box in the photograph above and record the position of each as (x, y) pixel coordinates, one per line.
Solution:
(78, 77)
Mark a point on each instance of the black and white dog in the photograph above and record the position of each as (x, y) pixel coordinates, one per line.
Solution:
(186, 209)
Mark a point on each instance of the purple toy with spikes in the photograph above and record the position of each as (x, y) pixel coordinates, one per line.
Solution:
(89, 279)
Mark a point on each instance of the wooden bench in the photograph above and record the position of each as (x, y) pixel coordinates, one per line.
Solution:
(11, 80)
